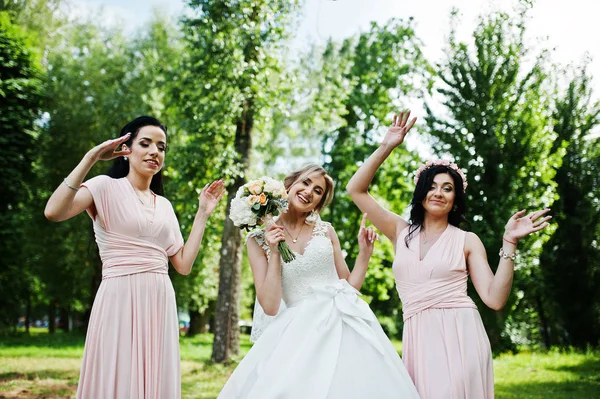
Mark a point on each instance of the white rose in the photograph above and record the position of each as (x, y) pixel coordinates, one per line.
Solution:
(240, 212)
(282, 192)
(273, 186)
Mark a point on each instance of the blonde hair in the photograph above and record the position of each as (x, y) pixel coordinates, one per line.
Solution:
(303, 173)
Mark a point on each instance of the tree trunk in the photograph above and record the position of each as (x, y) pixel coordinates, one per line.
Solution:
(227, 313)
(544, 324)
(195, 323)
(543, 321)
(64, 319)
(205, 319)
(211, 323)
(28, 313)
(51, 318)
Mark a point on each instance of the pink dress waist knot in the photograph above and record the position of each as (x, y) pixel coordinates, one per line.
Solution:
(441, 293)
(123, 256)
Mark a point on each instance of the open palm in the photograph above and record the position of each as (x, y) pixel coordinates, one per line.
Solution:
(210, 197)
(520, 226)
(399, 129)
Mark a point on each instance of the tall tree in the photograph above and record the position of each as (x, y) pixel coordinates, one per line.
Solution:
(234, 48)
(45, 21)
(570, 261)
(21, 96)
(497, 129)
(98, 79)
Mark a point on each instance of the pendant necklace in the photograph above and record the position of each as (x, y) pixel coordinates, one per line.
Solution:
(294, 240)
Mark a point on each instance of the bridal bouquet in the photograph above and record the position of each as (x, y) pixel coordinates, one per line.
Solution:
(257, 202)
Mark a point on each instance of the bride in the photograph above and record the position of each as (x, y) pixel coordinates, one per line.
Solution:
(326, 342)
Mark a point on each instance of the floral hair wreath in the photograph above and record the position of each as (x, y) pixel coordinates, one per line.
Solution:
(439, 162)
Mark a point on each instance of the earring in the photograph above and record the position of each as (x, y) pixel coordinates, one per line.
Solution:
(125, 158)
(455, 208)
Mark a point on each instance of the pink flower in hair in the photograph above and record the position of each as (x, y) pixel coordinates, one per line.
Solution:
(441, 162)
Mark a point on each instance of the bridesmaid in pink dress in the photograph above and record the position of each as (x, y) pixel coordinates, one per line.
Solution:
(132, 343)
(445, 347)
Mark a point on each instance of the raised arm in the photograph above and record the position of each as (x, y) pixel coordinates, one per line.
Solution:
(68, 200)
(366, 242)
(494, 290)
(384, 220)
(210, 196)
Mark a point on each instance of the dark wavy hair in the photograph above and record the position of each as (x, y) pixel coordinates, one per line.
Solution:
(456, 217)
(120, 167)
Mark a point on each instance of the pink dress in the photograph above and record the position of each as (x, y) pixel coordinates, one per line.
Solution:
(132, 343)
(445, 347)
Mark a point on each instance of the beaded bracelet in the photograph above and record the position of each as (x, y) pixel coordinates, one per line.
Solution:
(70, 186)
(504, 255)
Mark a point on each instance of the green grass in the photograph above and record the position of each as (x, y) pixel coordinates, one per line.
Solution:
(555, 374)
(44, 366)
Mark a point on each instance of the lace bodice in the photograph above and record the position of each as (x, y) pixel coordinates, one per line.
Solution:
(314, 267)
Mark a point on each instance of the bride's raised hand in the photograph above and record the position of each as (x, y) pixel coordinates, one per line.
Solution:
(108, 150)
(366, 237)
(399, 129)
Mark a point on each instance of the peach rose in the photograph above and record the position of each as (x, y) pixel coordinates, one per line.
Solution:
(263, 199)
(253, 199)
(255, 187)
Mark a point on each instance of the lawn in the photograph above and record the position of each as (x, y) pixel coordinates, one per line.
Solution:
(41, 366)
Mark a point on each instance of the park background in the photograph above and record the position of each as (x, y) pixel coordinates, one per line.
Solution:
(507, 89)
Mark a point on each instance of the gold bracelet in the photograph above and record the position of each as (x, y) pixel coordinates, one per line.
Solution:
(504, 255)
(70, 186)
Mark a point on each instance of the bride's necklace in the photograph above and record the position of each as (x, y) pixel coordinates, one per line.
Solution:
(294, 240)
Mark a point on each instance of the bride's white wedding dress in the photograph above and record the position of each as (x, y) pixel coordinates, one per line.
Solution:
(326, 343)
